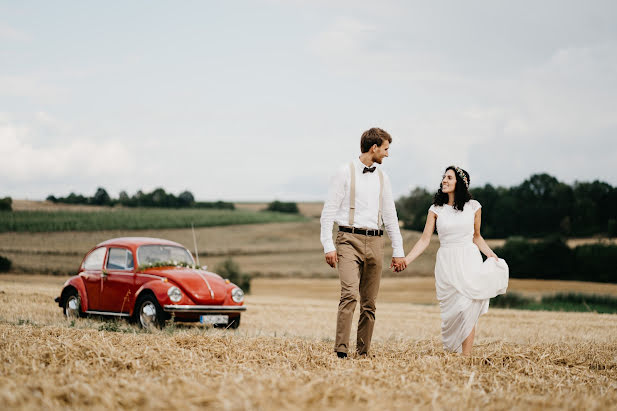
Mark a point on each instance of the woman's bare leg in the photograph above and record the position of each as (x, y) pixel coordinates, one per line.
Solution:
(468, 343)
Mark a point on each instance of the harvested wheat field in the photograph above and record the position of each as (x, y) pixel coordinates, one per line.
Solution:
(281, 356)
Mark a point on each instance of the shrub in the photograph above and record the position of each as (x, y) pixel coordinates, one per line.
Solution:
(547, 259)
(230, 270)
(101, 197)
(412, 210)
(612, 228)
(5, 264)
(186, 199)
(597, 262)
(559, 302)
(283, 207)
(552, 259)
(6, 204)
(219, 205)
(510, 300)
(73, 198)
(580, 302)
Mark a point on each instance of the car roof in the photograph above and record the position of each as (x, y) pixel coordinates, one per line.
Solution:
(137, 241)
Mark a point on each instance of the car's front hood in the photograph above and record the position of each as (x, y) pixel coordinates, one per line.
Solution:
(201, 286)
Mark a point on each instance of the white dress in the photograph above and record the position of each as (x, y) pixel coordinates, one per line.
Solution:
(463, 282)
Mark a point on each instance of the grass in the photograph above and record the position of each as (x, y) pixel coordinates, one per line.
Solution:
(281, 357)
(132, 219)
(572, 301)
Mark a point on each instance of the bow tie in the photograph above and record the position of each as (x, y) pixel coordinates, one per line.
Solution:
(368, 169)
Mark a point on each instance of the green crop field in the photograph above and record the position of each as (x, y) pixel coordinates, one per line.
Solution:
(133, 219)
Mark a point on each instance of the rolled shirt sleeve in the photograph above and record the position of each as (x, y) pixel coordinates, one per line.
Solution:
(336, 193)
(390, 219)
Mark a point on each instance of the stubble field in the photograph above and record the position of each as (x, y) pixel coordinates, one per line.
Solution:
(281, 356)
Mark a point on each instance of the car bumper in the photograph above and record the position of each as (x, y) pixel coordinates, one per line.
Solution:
(204, 309)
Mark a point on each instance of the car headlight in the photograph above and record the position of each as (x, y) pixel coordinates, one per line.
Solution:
(237, 295)
(174, 294)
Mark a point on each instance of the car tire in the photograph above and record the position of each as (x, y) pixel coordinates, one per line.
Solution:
(71, 306)
(149, 313)
(233, 322)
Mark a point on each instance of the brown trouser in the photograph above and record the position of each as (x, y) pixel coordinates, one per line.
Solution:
(360, 261)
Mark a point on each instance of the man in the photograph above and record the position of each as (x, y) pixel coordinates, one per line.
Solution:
(359, 200)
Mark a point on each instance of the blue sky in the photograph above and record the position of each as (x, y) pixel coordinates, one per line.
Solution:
(257, 100)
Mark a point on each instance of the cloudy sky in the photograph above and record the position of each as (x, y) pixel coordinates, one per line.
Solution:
(257, 100)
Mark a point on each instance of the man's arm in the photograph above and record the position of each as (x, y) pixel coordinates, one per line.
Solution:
(390, 220)
(336, 193)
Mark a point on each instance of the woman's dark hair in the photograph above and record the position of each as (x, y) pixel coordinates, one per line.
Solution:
(461, 192)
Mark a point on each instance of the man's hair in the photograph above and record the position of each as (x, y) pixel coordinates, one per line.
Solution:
(373, 136)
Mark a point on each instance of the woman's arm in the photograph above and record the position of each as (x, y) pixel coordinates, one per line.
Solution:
(478, 239)
(424, 240)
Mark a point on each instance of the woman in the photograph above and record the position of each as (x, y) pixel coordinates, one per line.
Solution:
(463, 282)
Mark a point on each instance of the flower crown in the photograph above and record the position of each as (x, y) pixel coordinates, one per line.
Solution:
(462, 175)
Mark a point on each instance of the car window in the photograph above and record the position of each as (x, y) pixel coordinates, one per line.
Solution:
(119, 259)
(94, 261)
(152, 254)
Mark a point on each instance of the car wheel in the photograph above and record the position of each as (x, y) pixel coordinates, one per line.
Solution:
(233, 322)
(148, 312)
(72, 304)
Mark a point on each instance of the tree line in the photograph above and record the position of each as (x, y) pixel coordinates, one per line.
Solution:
(6, 204)
(539, 206)
(552, 259)
(158, 198)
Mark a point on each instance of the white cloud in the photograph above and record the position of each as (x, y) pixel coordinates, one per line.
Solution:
(30, 86)
(559, 116)
(10, 33)
(353, 47)
(23, 162)
(345, 37)
(574, 92)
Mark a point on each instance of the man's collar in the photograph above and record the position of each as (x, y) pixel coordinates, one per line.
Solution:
(360, 165)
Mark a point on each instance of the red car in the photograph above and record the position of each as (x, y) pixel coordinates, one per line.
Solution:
(148, 280)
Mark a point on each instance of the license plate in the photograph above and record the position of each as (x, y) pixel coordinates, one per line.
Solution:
(213, 319)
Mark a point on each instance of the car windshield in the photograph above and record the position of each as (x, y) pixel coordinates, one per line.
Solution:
(163, 254)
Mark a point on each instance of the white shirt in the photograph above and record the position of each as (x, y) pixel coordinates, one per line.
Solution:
(336, 207)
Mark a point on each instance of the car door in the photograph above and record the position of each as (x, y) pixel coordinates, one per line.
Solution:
(117, 281)
(91, 273)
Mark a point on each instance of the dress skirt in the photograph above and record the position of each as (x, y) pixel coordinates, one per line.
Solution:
(464, 285)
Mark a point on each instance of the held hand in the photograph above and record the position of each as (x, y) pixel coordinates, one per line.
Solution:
(399, 264)
(492, 255)
(393, 268)
(332, 259)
